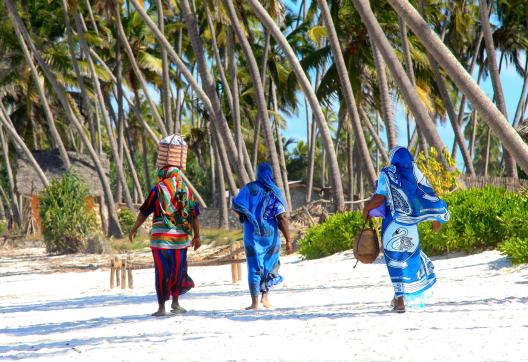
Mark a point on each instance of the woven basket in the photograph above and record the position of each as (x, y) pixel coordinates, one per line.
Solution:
(172, 154)
(366, 246)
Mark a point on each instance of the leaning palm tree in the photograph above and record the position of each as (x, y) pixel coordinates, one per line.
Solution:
(348, 93)
(399, 75)
(114, 228)
(335, 174)
(495, 119)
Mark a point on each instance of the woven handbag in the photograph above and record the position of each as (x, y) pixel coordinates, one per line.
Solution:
(366, 245)
(172, 151)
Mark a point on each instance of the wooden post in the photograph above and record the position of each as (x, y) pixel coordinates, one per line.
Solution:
(117, 265)
(112, 271)
(123, 273)
(234, 269)
(239, 265)
(130, 279)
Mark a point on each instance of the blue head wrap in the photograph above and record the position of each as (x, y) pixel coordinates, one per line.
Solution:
(252, 199)
(411, 197)
(265, 180)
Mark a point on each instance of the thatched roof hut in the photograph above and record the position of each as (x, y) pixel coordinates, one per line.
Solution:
(29, 184)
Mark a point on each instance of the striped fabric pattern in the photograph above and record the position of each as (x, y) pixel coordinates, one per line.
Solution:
(172, 279)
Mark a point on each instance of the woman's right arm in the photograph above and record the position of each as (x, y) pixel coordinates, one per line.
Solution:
(374, 202)
(144, 211)
(139, 221)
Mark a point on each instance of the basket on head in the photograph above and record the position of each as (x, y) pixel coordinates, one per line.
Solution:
(172, 151)
(366, 246)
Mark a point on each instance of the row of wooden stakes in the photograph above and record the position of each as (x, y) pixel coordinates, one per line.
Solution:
(119, 270)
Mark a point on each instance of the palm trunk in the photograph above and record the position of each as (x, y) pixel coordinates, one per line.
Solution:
(405, 85)
(511, 167)
(80, 79)
(312, 148)
(284, 170)
(259, 93)
(111, 138)
(224, 217)
(474, 119)
(518, 111)
(208, 82)
(113, 224)
(374, 134)
(15, 208)
(386, 104)
(448, 103)
(350, 159)
(212, 105)
(348, 93)
(463, 101)
(165, 91)
(487, 159)
(235, 99)
(335, 174)
(256, 131)
(17, 140)
(55, 136)
(495, 119)
(135, 67)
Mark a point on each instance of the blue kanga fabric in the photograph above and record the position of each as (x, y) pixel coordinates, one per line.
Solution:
(259, 203)
(410, 200)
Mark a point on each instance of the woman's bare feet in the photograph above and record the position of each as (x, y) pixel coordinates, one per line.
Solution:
(161, 311)
(398, 304)
(264, 300)
(254, 303)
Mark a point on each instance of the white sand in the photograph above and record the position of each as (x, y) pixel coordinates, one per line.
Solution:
(325, 311)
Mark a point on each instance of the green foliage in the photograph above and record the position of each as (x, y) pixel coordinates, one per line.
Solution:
(516, 248)
(442, 180)
(127, 219)
(336, 234)
(66, 218)
(481, 219)
(3, 227)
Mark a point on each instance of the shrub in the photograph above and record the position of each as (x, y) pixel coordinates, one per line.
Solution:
(66, 218)
(480, 219)
(442, 180)
(336, 234)
(127, 219)
(516, 248)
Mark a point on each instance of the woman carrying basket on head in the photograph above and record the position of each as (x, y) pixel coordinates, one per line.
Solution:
(409, 199)
(175, 219)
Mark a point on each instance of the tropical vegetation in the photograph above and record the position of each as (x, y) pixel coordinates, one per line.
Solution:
(107, 77)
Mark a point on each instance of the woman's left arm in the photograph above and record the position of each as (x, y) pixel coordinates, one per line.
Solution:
(376, 201)
(284, 226)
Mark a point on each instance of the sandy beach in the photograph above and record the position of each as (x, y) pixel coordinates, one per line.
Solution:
(325, 310)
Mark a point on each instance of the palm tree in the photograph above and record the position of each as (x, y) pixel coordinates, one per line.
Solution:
(259, 93)
(348, 93)
(511, 168)
(495, 119)
(335, 175)
(114, 228)
(405, 85)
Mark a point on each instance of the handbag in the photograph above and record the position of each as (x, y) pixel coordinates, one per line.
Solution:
(366, 244)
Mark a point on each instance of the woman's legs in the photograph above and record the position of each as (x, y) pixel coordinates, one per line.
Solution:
(162, 270)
